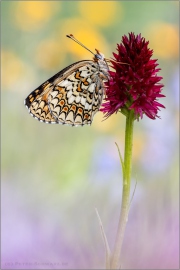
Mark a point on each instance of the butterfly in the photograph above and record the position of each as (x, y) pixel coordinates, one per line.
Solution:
(72, 96)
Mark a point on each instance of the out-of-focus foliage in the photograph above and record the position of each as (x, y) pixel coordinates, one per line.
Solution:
(54, 176)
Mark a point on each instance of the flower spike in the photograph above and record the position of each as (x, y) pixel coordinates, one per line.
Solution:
(134, 83)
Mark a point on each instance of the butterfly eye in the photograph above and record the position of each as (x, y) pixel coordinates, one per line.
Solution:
(98, 56)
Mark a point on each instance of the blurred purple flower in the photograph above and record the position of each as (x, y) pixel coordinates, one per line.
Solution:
(134, 84)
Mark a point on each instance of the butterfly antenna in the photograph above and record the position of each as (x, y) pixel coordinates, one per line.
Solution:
(77, 41)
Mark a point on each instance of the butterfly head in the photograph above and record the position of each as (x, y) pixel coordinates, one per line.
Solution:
(98, 56)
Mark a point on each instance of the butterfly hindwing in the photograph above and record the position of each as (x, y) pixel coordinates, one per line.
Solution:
(74, 100)
(72, 96)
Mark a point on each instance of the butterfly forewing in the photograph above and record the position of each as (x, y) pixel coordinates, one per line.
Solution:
(72, 96)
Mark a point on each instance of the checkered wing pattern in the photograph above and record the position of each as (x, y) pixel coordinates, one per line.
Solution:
(72, 96)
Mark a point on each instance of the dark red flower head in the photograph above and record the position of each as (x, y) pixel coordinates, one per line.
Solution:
(134, 84)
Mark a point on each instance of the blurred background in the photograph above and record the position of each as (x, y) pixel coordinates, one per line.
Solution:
(54, 176)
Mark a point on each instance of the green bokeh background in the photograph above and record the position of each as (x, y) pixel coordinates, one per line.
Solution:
(54, 176)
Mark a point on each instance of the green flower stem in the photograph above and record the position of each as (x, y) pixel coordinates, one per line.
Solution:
(126, 168)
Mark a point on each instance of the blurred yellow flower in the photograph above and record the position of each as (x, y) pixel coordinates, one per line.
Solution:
(85, 33)
(102, 13)
(164, 39)
(31, 15)
(107, 126)
(50, 54)
(139, 142)
(12, 69)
